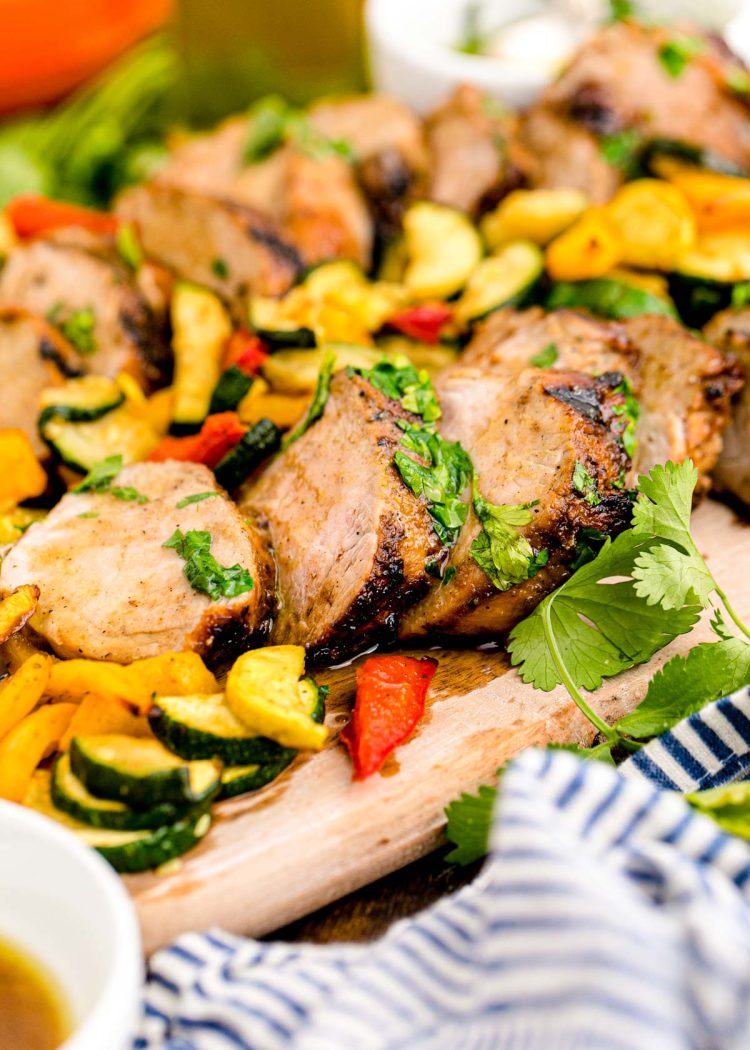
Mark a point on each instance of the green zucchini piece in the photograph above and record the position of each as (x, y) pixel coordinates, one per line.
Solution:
(443, 248)
(268, 323)
(141, 772)
(70, 796)
(200, 329)
(506, 278)
(81, 445)
(201, 727)
(240, 780)
(686, 153)
(607, 297)
(127, 851)
(257, 444)
(230, 390)
(80, 400)
(699, 298)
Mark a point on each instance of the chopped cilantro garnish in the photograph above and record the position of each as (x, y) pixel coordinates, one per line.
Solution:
(203, 571)
(100, 478)
(738, 80)
(546, 358)
(219, 269)
(317, 405)
(274, 122)
(89, 514)
(621, 149)
(129, 246)
(630, 411)
(404, 383)
(740, 295)
(585, 485)
(448, 575)
(77, 327)
(675, 54)
(440, 478)
(620, 10)
(127, 493)
(537, 562)
(501, 550)
(197, 497)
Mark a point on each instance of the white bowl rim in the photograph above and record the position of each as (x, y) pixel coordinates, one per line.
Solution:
(126, 960)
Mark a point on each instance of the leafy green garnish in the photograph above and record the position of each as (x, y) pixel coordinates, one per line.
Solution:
(469, 824)
(77, 327)
(203, 571)
(128, 246)
(274, 122)
(501, 550)
(403, 382)
(440, 478)
(472, 41)
(317, 405)
(197, 497)
(738, 80)
(448, 575)
(630, 410)
(675, 54)
(740, 295)
(621, 149)
(220, 269)
(88, 514)
(585, 485)
(546, 357)
(620, 10)
(100, 478)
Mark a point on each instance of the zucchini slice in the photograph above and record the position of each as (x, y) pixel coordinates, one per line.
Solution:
(504, 279)
(141, 772)
(704, 277)
(201, 727)
(240, 780)
(257, 444)
(200, 327)
(660, 156)
(323, 278)
(81, 445)
(267, 320)
(608, 297)
(127, 851)
(70, 796)
(443, 248)
(233, 385)
(532, 215)
(296, 371)
(80, 400)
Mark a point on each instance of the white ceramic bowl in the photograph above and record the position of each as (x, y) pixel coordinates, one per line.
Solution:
(65, 906)
(412, 46)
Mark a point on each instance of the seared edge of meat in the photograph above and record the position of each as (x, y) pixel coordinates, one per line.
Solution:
(730, 332)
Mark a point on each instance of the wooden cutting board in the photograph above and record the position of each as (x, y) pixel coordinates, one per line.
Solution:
(312, 835)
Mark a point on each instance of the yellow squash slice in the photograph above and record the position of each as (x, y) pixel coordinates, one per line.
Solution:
(24, 747)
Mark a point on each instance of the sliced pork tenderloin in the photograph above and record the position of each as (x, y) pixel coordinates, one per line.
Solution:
(526, 435)
(351, 541)
(110, 590)
(730, 332)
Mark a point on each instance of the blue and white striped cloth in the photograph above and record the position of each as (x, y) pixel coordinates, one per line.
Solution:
(609, 916)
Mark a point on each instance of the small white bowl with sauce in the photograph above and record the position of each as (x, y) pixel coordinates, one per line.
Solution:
(415, 45)
(66, 911)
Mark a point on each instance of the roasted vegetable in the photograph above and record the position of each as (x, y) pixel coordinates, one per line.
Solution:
(80, 400)
(240, 780)
(24, 747)
(267, 693)
(32, 215)
(140, 772)
(297, 371)
(608, 297)
(653, 222)
(99, 714)
(532, 215)
(22, 691)
(589, 248)
(21, 474)
(423, 323)
(216, 437)
(256, 445)
(719, 202)
(284, 410)
(505, 279)
(200, 330)
(15, 610)
(80, 443)
(442, 248)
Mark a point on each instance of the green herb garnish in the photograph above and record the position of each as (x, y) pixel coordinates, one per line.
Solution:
(585, 485)
(675, 54)
(100, 477)
(621, 149)
(197, 497)
(740, 295)
(274, 122)
(440, 478)
(546, 358)
(219, 269)
(630, 411)
(404, 383)
(501, 550)
(129, 246)
(738, 81)
(317, 405)
(203, 571)
(448, 575)
(78, 327)
(621, 10)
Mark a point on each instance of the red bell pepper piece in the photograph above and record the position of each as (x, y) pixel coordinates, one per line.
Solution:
(220, 433)
(391, 693)
(31, 215)
(423, 322)
(245, 351)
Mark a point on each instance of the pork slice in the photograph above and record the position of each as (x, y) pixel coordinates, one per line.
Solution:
(234, 250)
(730, 332)
(351, 540)
(473, 159)
(109, 588)
(34, 356)
(314, 199)
(686, 390)
(617, 81)
(525, 435)
(56, 276)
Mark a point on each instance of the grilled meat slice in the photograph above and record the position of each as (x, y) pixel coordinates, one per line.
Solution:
(314, 200)
(351, 540)
(58, 276)
(685, 395)
(525, 435)
(683, 385)
(730, 332)
(389, 145)
(474, 158)
(34, 356)
(229, 248)
(109, 588)
(616, 82)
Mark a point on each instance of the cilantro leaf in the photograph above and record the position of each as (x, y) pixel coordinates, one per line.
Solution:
(500, 550)
(630, 412)
(440, 478)
(404, 383)
(675, 54)
(686, 684)
(78, 327)
(469, 825)
(620, 10)
(585, 485)
(127, 493)
(203, 571)
(319, 400)
(621, 149)
(196, 497)
(101, 475)
(599, 753)
(719, 625)
(546, 357)
(268, 126)
(128, 246)
(596, 620)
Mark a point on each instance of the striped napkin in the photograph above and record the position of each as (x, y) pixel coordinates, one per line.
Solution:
(609, 915)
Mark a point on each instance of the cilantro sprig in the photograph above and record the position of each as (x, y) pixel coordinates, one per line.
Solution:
(203, 571)
(441, 474)
(100, 477)
(501, 550)
(78, 327)
(274, 122)
(675, 54)
(403, 382)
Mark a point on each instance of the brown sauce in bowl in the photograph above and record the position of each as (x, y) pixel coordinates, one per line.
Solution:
(33, 1015)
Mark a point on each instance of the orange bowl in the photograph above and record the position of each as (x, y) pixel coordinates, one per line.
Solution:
(47, 48)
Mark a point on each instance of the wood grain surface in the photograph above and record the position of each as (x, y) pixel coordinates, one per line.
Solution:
(313, 836)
